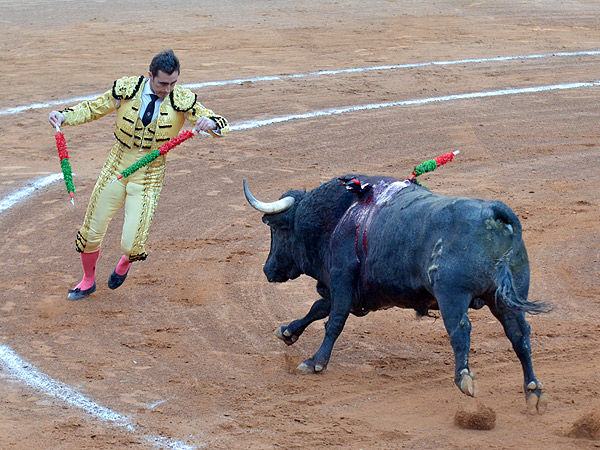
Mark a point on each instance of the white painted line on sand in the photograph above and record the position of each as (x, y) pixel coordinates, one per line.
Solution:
(48, 104)
(422, 101)
(27, 373)
(19, 195)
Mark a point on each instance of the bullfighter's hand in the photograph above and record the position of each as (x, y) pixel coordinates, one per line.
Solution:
(56, 118)
(205, 124)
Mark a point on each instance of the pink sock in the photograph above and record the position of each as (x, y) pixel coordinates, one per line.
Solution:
(123, 265)
(88, 261)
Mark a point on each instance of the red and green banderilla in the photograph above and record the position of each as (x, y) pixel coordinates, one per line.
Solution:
(162, 150)
(431, 164)
(65, 165)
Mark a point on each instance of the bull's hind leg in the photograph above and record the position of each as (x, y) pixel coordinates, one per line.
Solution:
(291, 332)
(454, 313)
(517, 330)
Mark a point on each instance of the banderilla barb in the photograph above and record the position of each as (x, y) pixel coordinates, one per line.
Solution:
(65, 165)
(431, 164)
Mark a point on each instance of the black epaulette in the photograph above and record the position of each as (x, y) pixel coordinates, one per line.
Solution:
(182, 99)
(125, 88)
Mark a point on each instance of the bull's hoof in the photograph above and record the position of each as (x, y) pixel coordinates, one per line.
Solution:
(468, 384)
(537, 399)
(285, 335)
(309, 366)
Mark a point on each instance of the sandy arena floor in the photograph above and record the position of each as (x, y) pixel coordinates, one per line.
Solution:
(185, 349)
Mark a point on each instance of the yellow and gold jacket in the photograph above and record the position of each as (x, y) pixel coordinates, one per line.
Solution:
(134, 141)
(126, 98)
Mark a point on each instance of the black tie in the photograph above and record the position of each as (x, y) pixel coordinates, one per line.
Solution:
(149, 110)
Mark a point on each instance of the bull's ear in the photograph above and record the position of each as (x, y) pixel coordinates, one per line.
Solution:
(277, 220)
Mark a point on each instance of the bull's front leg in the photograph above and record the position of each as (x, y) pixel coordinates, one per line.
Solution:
(291, 332)
(341, 303)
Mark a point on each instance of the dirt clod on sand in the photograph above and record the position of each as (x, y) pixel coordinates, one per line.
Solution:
(484, 418)
(587, 426)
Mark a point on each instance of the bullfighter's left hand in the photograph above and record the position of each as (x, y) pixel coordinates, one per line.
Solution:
(205, 124)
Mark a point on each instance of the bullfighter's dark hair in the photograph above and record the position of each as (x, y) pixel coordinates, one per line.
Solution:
(165, 61)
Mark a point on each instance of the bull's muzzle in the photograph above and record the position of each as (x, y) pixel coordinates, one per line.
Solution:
(276, 207)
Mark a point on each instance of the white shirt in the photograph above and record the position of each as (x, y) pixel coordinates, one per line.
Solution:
(146, 99)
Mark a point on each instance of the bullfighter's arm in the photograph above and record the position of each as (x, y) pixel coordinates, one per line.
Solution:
(186, 101)
(90, 109)
(198, 111)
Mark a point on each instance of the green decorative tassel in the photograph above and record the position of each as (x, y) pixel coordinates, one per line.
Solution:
(431, 164)
(426, 166)
(141, 163)
(65, 165)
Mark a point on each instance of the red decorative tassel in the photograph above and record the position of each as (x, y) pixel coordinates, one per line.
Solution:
(63, 154)
(445, 158)
(61, 146)
(183, 136)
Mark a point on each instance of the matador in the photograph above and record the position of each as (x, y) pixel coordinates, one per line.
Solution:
(150, 111)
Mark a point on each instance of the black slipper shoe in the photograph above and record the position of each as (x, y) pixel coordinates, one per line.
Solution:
(78, 294)
(115, 280)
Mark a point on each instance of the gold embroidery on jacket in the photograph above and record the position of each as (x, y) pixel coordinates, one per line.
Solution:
(126, 87)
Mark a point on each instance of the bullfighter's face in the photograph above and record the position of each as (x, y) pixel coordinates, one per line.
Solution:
(162, 84)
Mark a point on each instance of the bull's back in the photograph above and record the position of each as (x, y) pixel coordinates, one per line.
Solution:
(420, 238)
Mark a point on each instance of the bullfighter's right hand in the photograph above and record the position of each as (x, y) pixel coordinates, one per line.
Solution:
(56, 118)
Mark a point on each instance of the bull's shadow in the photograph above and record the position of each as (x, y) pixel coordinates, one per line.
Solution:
(376, 242)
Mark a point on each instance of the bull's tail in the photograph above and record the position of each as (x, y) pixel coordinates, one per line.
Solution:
(506, 292)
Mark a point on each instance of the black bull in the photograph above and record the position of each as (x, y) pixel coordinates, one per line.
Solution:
(398, 244)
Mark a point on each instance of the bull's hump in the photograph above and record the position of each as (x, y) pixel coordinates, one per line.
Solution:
(384, 192)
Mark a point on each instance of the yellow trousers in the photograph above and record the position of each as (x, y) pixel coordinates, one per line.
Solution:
(139, 192)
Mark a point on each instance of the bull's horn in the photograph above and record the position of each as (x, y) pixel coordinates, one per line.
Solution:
(276, 207)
